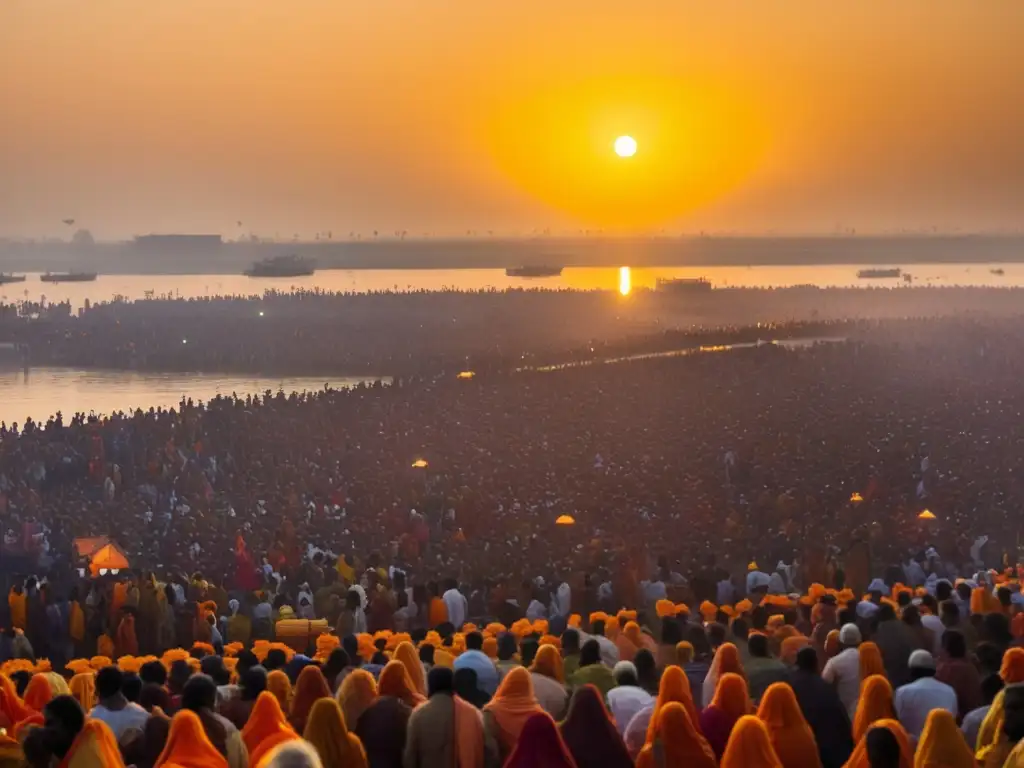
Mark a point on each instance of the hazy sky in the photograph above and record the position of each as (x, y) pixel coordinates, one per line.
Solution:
(445, 115)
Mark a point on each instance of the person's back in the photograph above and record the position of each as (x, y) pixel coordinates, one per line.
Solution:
(474, 658)
(761, 669)
(883, 749)
(915, 700)
(896, 642)
(113, 708)
(823, 710)
(843, 670)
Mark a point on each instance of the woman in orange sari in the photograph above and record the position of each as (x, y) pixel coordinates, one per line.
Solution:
(860, 759)
(406, 653)
(279, 685)
(726, 661)
(188, 746)
(875, 704)
(676, 743)
(394, 681)
(512, 705)
(356, 694)
(731, 702)
(789, 732)
(942, 745)
(870, 661)
(267, 727)
(309, 688)
(750, 746)
(327, 732)
(93, 747)
(675, 686)
(12, 708)
(83, 688)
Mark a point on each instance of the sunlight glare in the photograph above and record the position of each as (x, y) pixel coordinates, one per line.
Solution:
(625, 281)
(625, 146)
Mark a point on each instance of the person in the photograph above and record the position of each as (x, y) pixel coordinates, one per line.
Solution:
(352, 619)
(789, 732)
(474, 658)
(74, 740)
(113, 708)
(590, 733)
(870, 661)
(541, 746)
(941, 744)
(843, 669)
(279, 685)
(549, 681)
(885, 745)
(456, 604)
(627, 697)
(83, 687)
(356, 694)
(675, 686)
(956, 671)
(446, 731)
(266, 728)
(750, 746)
(394, 681)
(200, 696)
(647, 672)
(310, 687)
(570, 653)
(253, 683)
(676, 743)
(924, 693)
(591, 670)
(822, 709)
(507, 713)
(327, 732)
(875, 704)
(761, 668)
(292, 754)
(1013, 729)
(406, 653)
(971, 724)
(896, 642)
(730, 703)
(382, 728)
(189, 746)
(726, 661)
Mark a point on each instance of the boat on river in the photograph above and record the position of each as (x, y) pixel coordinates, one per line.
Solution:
(68, 277)
(6, 278)
(534, 271)
(879, 273)
(291, 265)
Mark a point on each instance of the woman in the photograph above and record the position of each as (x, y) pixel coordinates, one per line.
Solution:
(676, 743)
(942, 744)
(83, 688)
(790, 735)
(394, 681)
(357, 693)
(188, 746)
(861, 757)
(309, 688)
(549, 681)
(730, 703)
(541, 746)
(267, 727)
(726, 661)
(875, 704)
(590, 734)
(43, 687)
(870, 661)
(675, 686)
(279, 685)
(327, 732)
(406, 653)
(507, 713)
(750, 746)
(253, 683)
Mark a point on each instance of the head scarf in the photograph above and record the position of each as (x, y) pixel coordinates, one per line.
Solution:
(188, 745)
(875, 704)
(732, 697)
(93, 747)
(310, 687)
(684, 652)
(870, 661)
(266, 727)
(791, 736)
(674, 686)
(1012, 669)
(859, 758)
(83, 688)
(750, 746)
(680, 744)
(11, 704)
(406, 653)
(791, 646)
(512, 705)
(942, 745)
(541, 746)
(727, 660)
(327, 732)
(43, 687)
(832, 644)
(394, 681)
(357, 693)
(279, 685)
(548, 662)
(590, 733)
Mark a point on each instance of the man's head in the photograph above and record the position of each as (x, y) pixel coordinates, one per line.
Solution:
(625, 674)
(275, 659)
(63, 720)
(597, 628)
(153, 672)
(849, 636)
(807, 660)
(953, 644)
(943, 590)
(108, 682)
(922, 664)
(440, 680)
(991, 685)
(757, 644)
(200, 692)
(427, 653)
(590, 653)
(570, 642)
(254, 682)
(507, 646)
(739, 629)
(949, 613)
(214, 667)
(883, 748)
(1013, 703)
(474, 641)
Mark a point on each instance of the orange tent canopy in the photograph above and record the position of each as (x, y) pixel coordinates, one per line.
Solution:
(87, 546)
(110, 557)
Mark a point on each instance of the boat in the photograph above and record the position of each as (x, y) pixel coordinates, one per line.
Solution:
(534, 271)
(878, 273)
(291, 265)
(683, 285)
(68, 277)
(998, 271)
(5, 279)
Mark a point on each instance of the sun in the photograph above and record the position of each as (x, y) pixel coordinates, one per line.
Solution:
(625, 146)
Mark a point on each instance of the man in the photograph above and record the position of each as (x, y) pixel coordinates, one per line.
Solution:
(474, 658)
(762, 670)
(955, 670)
(823, 710)
(990, 688)
(352, 620)
(507, 650)
(591, 670)
(113, 708)
(432, 739)
(456, 604)
(609, 651)
(570, 652)
(924, 693)
(896, 642)
(843, 670)
(627, 697)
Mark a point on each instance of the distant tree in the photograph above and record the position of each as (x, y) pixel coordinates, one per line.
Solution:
(82, 237)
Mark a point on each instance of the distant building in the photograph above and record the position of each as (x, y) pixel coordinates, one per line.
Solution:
(178, 242)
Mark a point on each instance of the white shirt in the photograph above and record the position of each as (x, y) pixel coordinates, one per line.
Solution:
(934, 623)
(915, 700)
(457, 607)
(120, 720)
(843, 671)
(625, 701)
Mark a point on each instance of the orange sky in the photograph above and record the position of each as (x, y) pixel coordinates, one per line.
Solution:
(446, 115)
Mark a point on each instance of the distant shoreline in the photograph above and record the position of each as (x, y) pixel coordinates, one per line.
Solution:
(129, 258)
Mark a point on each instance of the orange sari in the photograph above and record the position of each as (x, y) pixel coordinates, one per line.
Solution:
(870, 661)
(330, 737)
(680, 744)
(93, 747)
(512, 706)
(266, 728)
(750, 746)
(309, 688)
(791, 736)
(394, 681)
(675, 686)
(875, 704)
(406, 653)
(188, 746)
(859, 758)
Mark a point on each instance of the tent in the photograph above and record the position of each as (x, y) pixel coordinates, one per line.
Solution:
(87, 546)
(109, 558)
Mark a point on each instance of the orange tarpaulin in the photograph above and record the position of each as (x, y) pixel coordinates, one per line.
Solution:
(109, 557)
(90, 545)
